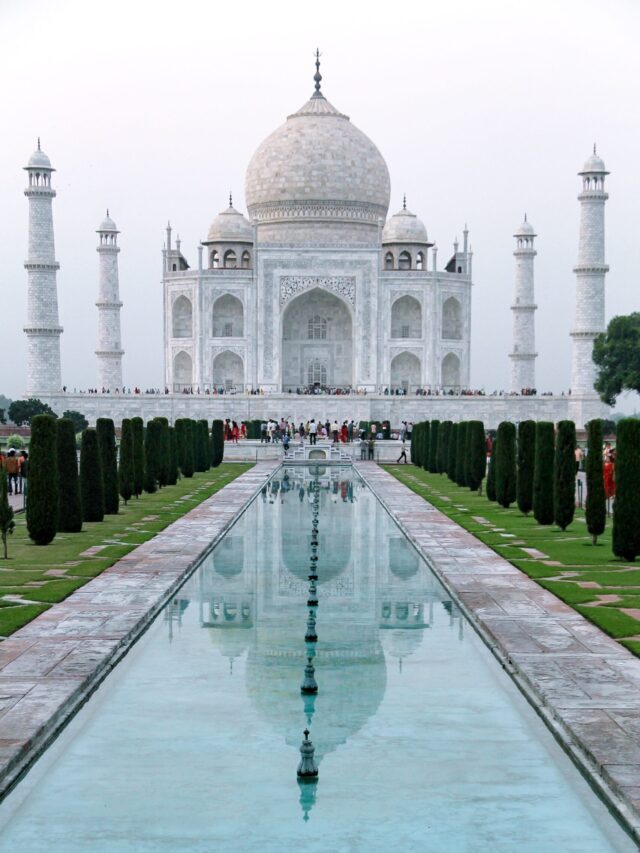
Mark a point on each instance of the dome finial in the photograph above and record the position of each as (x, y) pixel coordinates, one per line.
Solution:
(317, 76)
(38, 143)
(230, 198)
(107, 212)
(404, 201)
(525, 217)
(594, 148)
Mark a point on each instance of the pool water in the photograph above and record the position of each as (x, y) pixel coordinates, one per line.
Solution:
(421, 740)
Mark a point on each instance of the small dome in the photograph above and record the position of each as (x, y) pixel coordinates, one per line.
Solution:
(108, 224)
(594, 164)
(230, 226)
(404, 227)
(39, 160)
(526, 229)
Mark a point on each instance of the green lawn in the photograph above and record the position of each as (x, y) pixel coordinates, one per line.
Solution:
(34, 577)
(589, 578)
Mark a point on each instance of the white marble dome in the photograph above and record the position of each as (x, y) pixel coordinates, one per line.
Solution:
(108, 224)
(404, 227)
(526, 229)
(319, 170)
(594, 164)
(230, 226)
(39, 159)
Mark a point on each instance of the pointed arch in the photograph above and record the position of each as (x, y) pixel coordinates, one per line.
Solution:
(182, 371)
(406, 318)
(452, 319)
(182, 318)
(228, 317)
(451, 372)
(228, 371)
(406, 372)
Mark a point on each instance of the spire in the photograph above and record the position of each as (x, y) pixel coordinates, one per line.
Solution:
(525, 217)
(404, 201)
(38, 143)
(230, 199)
(107, 213)
(594, 148)
(317, 76)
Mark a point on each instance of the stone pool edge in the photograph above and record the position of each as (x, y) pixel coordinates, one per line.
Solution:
(482, 593)
(51, 666)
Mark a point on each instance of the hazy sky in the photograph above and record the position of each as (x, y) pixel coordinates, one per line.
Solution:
(482, 110)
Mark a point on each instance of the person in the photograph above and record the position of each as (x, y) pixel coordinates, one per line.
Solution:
(403, 455)
(12, 467)
(24, 475)
(334, 431)
(363, 448)
(313, 431)
(579, 455)
(285, 442)
(609, 477)
(344, 433)
(371, 446)
(263, 432)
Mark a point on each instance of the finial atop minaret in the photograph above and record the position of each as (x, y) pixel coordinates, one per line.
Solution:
(317, 76)
(39, 144)
(230, 199)
(404, 201)
(594, 148)
(107, 213)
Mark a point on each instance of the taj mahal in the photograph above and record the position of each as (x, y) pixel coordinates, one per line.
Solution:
(316, 289)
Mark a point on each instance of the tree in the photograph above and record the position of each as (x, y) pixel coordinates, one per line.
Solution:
(425, 439)
(416, 444)
(526, 462)
(3, 420)
(126, 473)
(626, 507)
(564, 475)
(152, 452)
(476, 456)
(164, 459)
(596, 504)
(6, 514)
(506, 464)
(70, 506)
(433, 446)
(42, 505)
(491, 473)
(137, 427)
(109, 459)
(187, 463)
(453, 448)
(543, 473)
(202, 432)
(23, 411)
(444, 432)
(91, 481)
(77, 418)
(616, 354)
(217, 443)
(461, 441)
(174, 471)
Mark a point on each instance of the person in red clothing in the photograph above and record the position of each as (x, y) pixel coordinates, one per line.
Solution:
(234, 433)
(344, 433)
(609, 475)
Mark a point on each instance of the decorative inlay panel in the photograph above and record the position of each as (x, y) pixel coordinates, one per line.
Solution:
(342, 285)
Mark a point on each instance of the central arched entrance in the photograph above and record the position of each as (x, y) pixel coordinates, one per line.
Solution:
(317, 342)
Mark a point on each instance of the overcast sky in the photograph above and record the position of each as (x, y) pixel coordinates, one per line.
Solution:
(482, 110)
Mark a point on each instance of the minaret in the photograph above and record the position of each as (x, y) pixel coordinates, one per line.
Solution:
(590, 272)
(523, 356)
(109, 349)
(42, 327)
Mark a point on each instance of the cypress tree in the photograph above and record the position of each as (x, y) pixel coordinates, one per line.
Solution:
(109, 459)
(202, 433)
(461, 441)
(416, 443)
(506, 464)
(564, 475)
(526, 462)
(180, 431)
(626, 507)
(187, 464)
(426, 444)
(70, 506)
(476, 456)
(91, 482)
(491, 473)
(596, 503)
(7, 523)
(434, 437)
(217, 442)
(165, 452)
(453, 449)
(174, 471)
(152, 453)
(543, 473)
(126, 464)
(194, 442)
(444, 435)
(137, 427)
(42, 504)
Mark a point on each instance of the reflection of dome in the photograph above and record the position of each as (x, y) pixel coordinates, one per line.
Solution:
(401, 643)
(318, 169)
(228, 557)
(334, 545)
(230, 226)
(404, 227)
(403, 559)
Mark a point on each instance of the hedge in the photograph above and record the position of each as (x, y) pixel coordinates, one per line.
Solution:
(91, 482)
(70, 506)
(42, 502)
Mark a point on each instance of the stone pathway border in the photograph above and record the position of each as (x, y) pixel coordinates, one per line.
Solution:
(49, 668)
(583, 684)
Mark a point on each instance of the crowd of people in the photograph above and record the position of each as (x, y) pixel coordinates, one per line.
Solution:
(317, 390)
(15, 464)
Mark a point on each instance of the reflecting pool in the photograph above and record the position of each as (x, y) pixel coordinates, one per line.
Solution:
(421, 741)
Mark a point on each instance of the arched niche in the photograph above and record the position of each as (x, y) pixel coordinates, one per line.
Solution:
(230, 259)
(182, 318)
(330, 354)
(452, 319)
(228, 317)
(228, 371)
(406, 372)
(406, 318)
(246, 260)
(182, 371)
(388, 261)
(451, 371)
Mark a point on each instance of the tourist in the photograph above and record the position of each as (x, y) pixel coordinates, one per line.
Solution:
(263, 432)
(334, 431)
(313, 431)
(363, 448)
(344, 433)
(24, 475)
(12, 468)
(234, 433)
(403, 454)
(370, 446)
(579, 455)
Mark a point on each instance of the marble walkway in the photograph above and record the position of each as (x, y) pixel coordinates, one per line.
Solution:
(49, 667)
(584, 684)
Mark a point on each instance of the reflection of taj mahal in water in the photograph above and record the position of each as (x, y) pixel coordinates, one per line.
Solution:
(316, 289)
(376, 602)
